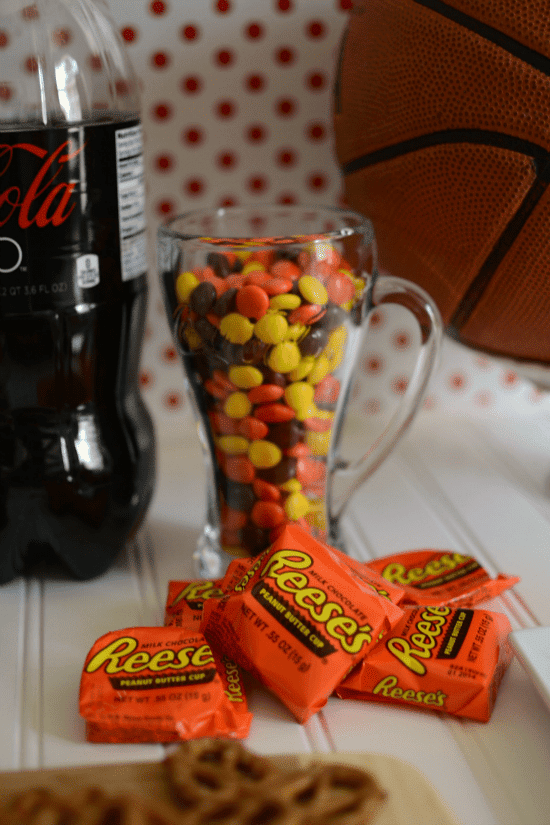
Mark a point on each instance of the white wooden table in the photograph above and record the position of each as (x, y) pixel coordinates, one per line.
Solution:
(475, 486)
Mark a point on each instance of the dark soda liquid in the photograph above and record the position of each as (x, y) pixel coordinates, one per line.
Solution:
(77, 457)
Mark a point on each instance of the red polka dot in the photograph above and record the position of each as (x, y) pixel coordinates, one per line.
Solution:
(285, 56)
(146, 379)
(317, 181)
(165, 207)
(483, 398)
(316, 131)
(194, 186)
(255, 82)
(224, 57)
(287, 198)
(283, 5)
(158, 7)
(96, 63)
(30, 13)
(5, 92)
(190, 32)
(286, 107)
(315, 28)
(225, 108)
(164, 163)
(193, 136)
(257, 184)
(222, 6)
(286, 157)
(129, 34)
(31, 64)
(162, 111)
(372, 406)
(373, 365)
(377, 320)
(509, 378)
(254, 31)
(191, 84)
(173, 400)
(228, 200)
(345, 5)
(61, 37)
(401, 340)
(256, 133)
(123, 87)
(169, 354)
(227, 160)
(160, 60)
(457, 382)
(399, 385)
(4, 40)
(316, 81)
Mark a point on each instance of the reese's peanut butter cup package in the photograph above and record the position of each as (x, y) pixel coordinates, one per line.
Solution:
(438, 658)
(440, 577)
(185, 600)
(298, 620)
(184, 604)
(160, 684)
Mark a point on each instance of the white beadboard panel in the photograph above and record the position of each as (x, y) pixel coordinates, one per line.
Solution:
(13, 641)
(421, 739)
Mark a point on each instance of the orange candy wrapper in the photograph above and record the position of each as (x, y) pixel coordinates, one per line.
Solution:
(438, 658)
(160, 684)
(440, 577)
(185, 600)
(298, 620)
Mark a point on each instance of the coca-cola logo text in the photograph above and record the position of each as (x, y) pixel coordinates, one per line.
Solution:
(46, 202)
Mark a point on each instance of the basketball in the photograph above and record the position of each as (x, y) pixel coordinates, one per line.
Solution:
(442, 131)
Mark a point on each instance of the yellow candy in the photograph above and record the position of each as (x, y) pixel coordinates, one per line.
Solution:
(185, 284)
(237, 405)
(303, 369)
(236, 328)
(233, 444)
(193, 338)
(291, 486)
(320, 369)
(335, 347)
(245, 377)
(318, 443)
(264, 454)
(312, 289)
(252, 266)
(295, 332)
(285, 301)
(315, 516)
(271, 329)
(284, 357)
(299, 396)
(296, 506)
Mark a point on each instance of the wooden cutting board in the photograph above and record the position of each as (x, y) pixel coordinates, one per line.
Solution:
(412, 800)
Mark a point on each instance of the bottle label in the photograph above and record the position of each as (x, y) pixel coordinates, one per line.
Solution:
(72, 215)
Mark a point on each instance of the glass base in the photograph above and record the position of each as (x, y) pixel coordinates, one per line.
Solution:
(209, 559)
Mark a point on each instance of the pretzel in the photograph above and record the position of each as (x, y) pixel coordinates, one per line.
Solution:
(207, 771)
(219, 781)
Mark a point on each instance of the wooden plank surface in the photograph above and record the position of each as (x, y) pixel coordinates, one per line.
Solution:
(411, 799)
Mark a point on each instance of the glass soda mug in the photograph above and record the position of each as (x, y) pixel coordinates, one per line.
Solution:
(268, 306)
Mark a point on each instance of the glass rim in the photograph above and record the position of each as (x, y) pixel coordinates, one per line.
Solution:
(357, 224)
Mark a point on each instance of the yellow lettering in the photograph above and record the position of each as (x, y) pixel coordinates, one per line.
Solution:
(112, 654)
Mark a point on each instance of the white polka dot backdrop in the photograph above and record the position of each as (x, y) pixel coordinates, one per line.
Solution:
(236, 108)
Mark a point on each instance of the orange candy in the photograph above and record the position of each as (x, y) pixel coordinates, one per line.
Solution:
(266, 491)
(233, 519)
(265, 393)
(274, 413)
(239, 468)
(268, 514)
(277, 286)
(252, 301)
(252, 428)
(306, 314)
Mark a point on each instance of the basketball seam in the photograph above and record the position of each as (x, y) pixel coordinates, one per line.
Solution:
(499, 251)
(482, 137)
(504, 41)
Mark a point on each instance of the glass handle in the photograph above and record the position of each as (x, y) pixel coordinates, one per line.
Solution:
(348, 476)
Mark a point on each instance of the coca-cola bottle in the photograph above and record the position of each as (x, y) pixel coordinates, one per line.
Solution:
(76, 442)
